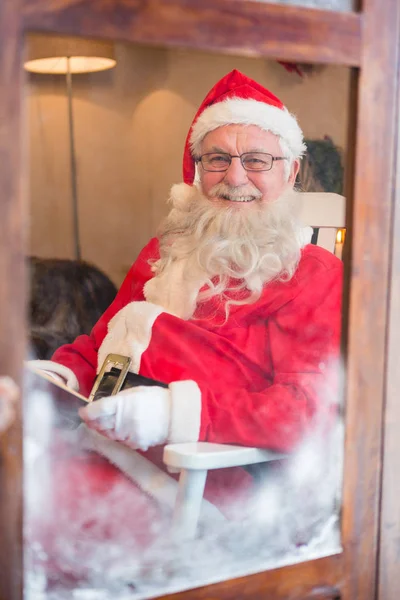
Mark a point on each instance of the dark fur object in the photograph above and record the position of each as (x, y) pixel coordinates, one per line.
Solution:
(67, 297)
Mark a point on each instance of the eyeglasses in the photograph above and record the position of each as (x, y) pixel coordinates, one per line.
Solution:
(251, 161)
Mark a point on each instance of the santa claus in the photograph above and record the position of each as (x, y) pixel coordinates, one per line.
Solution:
(230, 307)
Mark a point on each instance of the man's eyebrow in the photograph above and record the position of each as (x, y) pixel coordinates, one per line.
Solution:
(221, 151)
(263, 150)
(217, 149)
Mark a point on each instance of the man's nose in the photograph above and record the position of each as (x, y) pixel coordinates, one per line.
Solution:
(236, 174)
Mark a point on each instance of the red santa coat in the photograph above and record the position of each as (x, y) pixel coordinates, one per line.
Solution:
(261, 373)
(260, 378)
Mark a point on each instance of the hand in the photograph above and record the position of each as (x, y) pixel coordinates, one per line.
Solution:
(8, 398)
(138, 417)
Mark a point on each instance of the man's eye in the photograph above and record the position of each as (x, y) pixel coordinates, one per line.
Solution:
(255, 162)
(218, 159)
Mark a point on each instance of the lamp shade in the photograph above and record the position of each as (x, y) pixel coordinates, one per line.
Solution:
(51, 55)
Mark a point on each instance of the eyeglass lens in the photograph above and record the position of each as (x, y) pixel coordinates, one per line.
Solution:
(251, 161)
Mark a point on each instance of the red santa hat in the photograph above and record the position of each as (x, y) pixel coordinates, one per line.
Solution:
(237, 99)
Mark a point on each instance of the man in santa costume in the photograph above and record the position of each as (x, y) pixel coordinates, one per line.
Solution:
(230, 306)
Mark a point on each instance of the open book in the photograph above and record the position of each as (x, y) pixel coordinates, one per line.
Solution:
(65, 401)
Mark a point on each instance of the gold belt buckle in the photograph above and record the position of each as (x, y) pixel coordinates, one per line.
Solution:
(115, 360)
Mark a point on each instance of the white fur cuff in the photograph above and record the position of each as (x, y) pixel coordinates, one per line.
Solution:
(185, 411)
(129, 333)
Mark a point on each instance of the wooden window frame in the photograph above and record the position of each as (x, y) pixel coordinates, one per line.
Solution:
(368, 566)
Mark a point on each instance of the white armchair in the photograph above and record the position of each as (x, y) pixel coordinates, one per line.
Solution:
(326, 212)
(194, 460)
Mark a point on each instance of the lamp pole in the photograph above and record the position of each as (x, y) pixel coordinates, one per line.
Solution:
(72, 154)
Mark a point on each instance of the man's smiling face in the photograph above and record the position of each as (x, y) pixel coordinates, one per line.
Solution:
(245, 188)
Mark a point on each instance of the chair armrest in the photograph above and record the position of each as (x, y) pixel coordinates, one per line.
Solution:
(205, 456)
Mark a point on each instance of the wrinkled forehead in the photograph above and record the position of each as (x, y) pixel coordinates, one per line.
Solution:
(240, 138)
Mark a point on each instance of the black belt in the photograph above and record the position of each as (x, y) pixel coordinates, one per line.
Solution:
(115, 376)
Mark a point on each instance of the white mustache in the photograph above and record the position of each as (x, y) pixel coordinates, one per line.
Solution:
(243, 193)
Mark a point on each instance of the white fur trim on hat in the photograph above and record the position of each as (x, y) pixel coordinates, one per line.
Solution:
(185, 412)
(249, 112)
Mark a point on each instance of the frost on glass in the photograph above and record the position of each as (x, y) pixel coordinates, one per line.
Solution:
(94, 544)
(91, 539)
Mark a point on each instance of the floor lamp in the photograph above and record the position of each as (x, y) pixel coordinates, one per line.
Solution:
(68, 56)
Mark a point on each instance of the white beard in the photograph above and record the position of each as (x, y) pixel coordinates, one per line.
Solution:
(228, 249)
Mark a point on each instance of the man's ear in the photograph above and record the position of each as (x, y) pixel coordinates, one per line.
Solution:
(197, 169)
(294, 171)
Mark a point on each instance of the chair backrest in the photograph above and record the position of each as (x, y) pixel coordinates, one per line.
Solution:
(325, 212)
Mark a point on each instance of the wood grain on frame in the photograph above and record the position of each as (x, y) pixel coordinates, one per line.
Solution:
(389, 558)
(287, 33)
(12, 293)
(368, 316)
(246, 28)
(313, 580)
